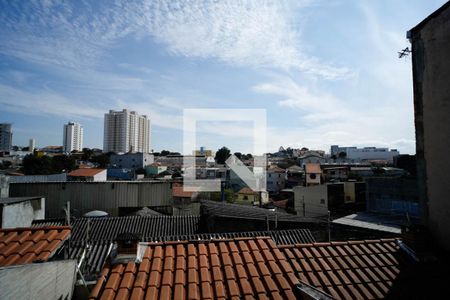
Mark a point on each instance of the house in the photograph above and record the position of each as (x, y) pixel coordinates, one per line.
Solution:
(335, 173)
(21, 211)
(131, 160)
(154, 169)
(294, 176)
(313, 174)
(247, 196)
(276, 179)
(317, 200)
(87, 175)
(33, 265)
(180, 196)
(311, 157)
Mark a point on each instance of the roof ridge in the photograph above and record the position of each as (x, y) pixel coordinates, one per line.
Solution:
(34, 228)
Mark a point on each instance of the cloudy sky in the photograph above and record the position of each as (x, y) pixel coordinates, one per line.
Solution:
(326, 71)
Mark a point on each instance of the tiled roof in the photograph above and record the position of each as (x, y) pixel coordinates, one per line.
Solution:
(85, 172)
(224, 269)
(348, 270)
(247, 191)
(25, 245)
(99, 250)
(222, 209)
(177, 191)
(312, 168)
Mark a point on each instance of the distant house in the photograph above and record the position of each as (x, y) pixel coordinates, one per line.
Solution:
(276, 179)
(335, 173)
(154, 169)
(247, 196)
(311, 157)
(180, 196)
(131, 160)
(294, 176)
(87, 175)
(313, 174)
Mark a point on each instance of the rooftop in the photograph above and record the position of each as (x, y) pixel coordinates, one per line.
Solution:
(223, 269)
(20, 246)
(85, 172)
(12, 200)
(312, 168)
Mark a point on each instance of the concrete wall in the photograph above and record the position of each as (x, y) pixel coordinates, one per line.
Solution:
(86, 196)
(431, 73)
(4, 186)
(102, 176)
(50, 280)
(22, 214)
(311, 201)
(39, 178)
(131, 160)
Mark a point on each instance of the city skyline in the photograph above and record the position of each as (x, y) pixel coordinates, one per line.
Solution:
(322, 83)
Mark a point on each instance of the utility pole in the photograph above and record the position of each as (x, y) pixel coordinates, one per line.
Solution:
(304, 212)
(329, 226)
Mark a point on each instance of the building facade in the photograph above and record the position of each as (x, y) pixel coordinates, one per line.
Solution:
(126, 131)
(131, 160)
(5, 137)
(72, 137)
(430, 41)
(366, 153)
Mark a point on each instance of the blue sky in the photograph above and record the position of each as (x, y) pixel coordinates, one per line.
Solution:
(327, 72)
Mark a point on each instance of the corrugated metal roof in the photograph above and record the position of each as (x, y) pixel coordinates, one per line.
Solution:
(223, 209)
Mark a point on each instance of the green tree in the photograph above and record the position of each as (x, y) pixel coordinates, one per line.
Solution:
(342, 155)
(222, 155)
(87, 154)
(33, 165)
(63, 163)
(102, 160)
(238, 154)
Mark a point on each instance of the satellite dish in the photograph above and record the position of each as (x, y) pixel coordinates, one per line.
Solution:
(96, 214)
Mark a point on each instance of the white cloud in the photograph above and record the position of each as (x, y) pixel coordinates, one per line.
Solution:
(256, 33)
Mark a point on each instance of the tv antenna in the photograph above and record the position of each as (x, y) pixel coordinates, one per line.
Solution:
(404, 52)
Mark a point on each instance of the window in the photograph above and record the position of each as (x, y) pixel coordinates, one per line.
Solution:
(312, 176)
(322, 201)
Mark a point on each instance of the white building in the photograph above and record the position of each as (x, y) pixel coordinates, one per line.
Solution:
(126, 131)
(72, 137)
(366, 153)
(31, 145)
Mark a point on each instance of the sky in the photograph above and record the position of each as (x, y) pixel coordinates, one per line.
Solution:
(326, 72)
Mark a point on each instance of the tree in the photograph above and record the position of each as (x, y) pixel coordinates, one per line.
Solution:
(165, 153)
(222, 155)
(33, 165)
(63, 163)
(102, 160)
(238, 154)
(87, 154)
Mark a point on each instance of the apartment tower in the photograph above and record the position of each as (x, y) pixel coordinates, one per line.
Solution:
(126, 131)
(5, 137)
(72, 137)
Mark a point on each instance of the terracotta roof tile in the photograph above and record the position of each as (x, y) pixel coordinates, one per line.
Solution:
(234, 273)
(25, 245)
(348, 270)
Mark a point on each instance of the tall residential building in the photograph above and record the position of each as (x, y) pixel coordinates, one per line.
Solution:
(31, 145)
(5, 137)
(73, 137)
(126, 131)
